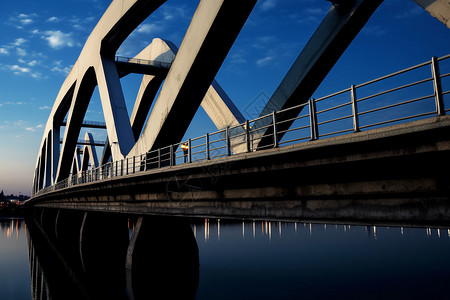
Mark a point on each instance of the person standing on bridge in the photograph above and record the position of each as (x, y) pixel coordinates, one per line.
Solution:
(185, 148)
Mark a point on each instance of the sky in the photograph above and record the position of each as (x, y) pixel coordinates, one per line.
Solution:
(41, 40)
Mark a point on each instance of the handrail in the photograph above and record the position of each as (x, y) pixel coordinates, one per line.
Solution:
(342, 116)
(139, 61)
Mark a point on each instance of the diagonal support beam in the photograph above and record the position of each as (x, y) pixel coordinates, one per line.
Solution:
(338, 29)
(212, 32)
(114, 109)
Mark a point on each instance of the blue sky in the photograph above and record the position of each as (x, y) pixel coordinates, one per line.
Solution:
(41, 40)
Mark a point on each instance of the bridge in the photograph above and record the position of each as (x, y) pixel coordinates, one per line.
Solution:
(363, 153)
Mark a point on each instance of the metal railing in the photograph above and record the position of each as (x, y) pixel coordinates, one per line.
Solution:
(92, 124)
(87, 142)
(154, 63)
(407, 98)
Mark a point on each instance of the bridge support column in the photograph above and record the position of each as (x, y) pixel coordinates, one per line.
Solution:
(162, 254)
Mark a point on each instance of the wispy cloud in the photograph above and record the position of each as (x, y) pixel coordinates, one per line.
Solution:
(412, 12)
(374, 30)
(53, 19)
(21, 70)
(149, 28)
(57, 39)
(35, 128)
(265, 61)
(18, 42)
(268, 4)
(22, 20)
(13, 103)
(21, 51)
(59, 68)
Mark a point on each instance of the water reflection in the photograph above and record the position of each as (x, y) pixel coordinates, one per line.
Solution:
(176, 258)
(247, 228)
(105, 261)
(11, 227)
(289, 260)
(14, 276)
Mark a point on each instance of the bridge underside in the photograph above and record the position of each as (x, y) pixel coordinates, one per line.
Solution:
(383, 175)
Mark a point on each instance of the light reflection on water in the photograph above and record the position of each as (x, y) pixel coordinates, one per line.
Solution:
(287, 260)
(279, 260)
(14, 269)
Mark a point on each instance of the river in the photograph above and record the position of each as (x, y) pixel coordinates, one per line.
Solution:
(247, 260)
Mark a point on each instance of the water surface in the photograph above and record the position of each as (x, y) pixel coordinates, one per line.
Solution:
(276, 260)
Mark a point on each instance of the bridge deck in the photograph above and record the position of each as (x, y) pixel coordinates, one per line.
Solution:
(395, 173)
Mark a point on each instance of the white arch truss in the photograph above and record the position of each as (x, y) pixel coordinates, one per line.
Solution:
(184, 78)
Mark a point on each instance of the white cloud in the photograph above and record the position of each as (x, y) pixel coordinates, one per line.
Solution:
(18, 70)
(26, 21)
(59, 68)
(53, 19)
(57, 39)
(268, 4)
(13, 103)
(19, 42)
(264, 61)
(45, 107)
(21, 51)
(148, 28)
(35, 128)
(4, 51)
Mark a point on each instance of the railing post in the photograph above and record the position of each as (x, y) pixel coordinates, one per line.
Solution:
(172, 158)
(354, 109)
(207, 146)
(313, 120)
(227, 138)
(121, 167)
(159, 158)
(189, 151)
(134, 164)
(275, 129)
(440, 108)
(247, 136)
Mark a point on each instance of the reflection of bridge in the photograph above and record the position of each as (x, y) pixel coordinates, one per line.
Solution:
(232, 172)
(69, 263)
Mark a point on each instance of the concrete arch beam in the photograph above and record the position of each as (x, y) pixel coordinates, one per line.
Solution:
(440, 9)
(120, 19)
(216, 103)
(213, 29)
(89, 154)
